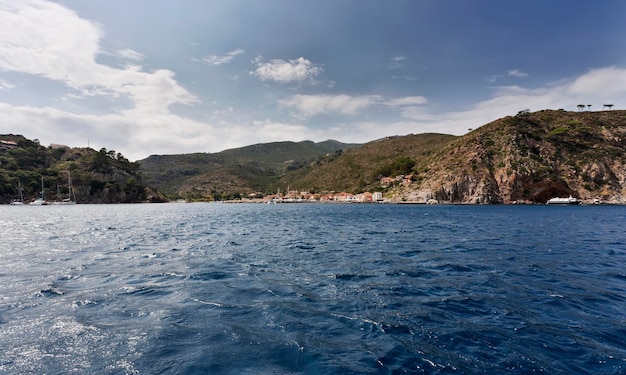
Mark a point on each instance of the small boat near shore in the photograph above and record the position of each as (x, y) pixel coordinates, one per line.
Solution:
(40, 201)
(20, 200)
(566, 201)
(71, 198)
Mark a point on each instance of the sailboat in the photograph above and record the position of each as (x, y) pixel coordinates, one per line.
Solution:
(20, 201)
(71, 199)
(39, 201)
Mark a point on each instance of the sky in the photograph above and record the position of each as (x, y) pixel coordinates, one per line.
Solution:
(147, 77)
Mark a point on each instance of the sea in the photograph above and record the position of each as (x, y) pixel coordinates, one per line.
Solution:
(210, 288)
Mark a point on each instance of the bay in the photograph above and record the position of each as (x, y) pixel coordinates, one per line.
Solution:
(312, 289)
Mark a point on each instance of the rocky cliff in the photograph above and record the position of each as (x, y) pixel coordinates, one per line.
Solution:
(528, 158)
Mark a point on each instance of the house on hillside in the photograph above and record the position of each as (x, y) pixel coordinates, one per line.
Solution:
(7, 145)
(387, 181)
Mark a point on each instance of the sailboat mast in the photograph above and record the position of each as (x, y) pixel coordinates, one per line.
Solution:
(20, 198)
(70, 186)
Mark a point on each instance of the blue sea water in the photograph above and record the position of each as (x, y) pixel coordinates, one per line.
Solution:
(312, 289)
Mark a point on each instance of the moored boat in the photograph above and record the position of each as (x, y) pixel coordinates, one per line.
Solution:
(569, 200)
(71, 198)
(40, 201)
(20, 201)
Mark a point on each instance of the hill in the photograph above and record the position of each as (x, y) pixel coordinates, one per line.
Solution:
(231, 173)
(528, 158)
(360, 169)
(97, 176)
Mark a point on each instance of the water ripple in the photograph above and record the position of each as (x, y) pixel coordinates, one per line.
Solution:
(313, 289)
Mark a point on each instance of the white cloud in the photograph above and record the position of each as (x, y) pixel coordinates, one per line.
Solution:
(310, 105)
(516, 73)
(511, 90)
(45, 39)
(272, 130)
(282, 71)
(4, 85)
(495, 77)
(409, 78)
(129, 54)
(409, 106)
(609, 82)
(223, 59)
(396, 62)
(598, 87)
(407, 101)
(137, 134)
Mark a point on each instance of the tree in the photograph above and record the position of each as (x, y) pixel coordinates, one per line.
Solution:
(609, 106)
(589, 107)
(401, 166)
(100, 161)
(581, 107)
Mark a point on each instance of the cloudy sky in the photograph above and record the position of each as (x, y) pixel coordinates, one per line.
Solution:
(149, 77)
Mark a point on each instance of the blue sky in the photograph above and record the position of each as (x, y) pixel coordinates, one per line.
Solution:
(163, 77)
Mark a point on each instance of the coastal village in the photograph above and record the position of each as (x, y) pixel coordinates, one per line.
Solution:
(295, 196)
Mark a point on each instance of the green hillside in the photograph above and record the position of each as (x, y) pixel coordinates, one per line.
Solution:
(361, 168)
(232, 173)
(527, 158)
(530, 157)
(97, 176)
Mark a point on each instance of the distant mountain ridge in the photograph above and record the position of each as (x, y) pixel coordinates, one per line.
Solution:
(234, 172)
(527, 158)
